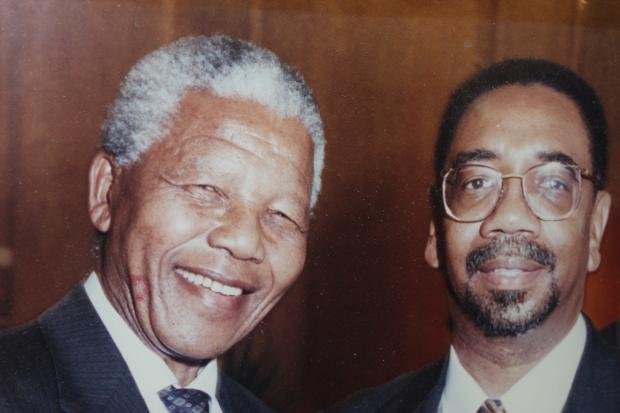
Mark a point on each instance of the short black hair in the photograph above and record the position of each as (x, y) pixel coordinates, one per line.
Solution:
(527, 72)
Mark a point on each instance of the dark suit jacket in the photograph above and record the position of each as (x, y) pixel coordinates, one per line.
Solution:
(596, 387)
(611, 333)
(66, 361)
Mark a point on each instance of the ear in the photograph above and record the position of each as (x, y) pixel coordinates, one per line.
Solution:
(430, 252)
(100, 180)
(598, 222)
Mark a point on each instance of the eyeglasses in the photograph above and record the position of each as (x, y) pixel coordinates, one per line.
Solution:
(551, 190)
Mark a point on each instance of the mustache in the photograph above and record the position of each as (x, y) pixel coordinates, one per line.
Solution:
(510, 246)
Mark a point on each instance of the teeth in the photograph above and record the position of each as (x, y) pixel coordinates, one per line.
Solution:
(213, 285)
(505, 272)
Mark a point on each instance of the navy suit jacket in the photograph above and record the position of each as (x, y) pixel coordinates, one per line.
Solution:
(596, 387)
(66, 361)
(611, 333)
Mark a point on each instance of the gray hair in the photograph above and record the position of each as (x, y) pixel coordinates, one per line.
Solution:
(152, 90)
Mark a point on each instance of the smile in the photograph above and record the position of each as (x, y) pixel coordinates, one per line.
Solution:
(511, 272)
(211, 284)
(508, 272)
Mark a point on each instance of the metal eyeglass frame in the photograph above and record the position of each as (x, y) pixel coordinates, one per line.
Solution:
(582, 174)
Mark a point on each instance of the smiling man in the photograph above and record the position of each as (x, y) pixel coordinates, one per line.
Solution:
(520, 167)
(201, 193)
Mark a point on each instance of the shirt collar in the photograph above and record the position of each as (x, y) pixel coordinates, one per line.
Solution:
(532, 392)
(147, 368)
(461, 393)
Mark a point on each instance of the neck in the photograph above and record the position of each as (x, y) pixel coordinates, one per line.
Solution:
(497, 363)
(184, 372)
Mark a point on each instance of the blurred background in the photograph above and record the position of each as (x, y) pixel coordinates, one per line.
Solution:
(366, 308)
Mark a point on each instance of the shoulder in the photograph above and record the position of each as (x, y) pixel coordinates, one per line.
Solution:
(404, 393)
(24, 352)
(601, 357)
(27, 374)
(611, 333)
(597, 383)
(234, 397)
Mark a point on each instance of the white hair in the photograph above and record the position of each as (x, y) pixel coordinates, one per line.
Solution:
(153, 88)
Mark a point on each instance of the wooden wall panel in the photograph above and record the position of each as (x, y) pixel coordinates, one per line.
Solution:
(366, 264)
(599, 61)
(69, 63)
(7, 175)
(367, 307)
(584, 36)
(535, 29)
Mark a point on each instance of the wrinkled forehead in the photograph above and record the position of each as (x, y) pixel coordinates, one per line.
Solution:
(520, 124)
(205, 124)
(230, 117)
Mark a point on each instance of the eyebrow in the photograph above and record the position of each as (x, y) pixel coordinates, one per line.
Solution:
(556, 156)
(473, 155)
(485, 155)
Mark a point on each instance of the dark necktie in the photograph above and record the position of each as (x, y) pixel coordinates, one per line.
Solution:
(491, 406)
(184, 400)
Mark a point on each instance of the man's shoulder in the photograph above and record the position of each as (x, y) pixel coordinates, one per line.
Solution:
(25, 364)
(30, 371)
(611, 333)
(404, 393)
(601, 357)
(597, 383)
(234, 397)
(23, 346)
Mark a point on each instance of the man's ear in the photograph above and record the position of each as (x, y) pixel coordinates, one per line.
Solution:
(100, 180)
(598, 222)
(430, 252)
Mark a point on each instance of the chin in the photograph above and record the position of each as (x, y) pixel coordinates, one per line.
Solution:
(192, 354)
(509, 313)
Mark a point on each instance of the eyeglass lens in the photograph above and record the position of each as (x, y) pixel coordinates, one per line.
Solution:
(551, 191)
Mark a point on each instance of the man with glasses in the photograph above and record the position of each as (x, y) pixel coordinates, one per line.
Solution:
(520, 167)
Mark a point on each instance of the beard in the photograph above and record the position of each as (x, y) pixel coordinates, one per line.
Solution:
(508, 313)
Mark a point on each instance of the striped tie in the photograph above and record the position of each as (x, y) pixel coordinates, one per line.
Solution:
(491, 406)
(184, 400)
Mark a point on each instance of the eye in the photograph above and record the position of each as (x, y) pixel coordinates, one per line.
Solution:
(284, 220)
(205, 192)
(477, 183)
(553, 183)
(207, 188)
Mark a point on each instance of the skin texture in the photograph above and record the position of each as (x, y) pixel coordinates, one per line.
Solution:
(225, 195)
(521, 126)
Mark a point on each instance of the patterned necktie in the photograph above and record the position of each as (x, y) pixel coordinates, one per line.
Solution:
(491, 406)
(184, 400)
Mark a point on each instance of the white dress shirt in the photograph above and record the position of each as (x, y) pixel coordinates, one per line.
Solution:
(544, 389)
(148, 369)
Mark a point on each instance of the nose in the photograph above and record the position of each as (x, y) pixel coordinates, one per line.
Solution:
(511, 215)
(239, 233)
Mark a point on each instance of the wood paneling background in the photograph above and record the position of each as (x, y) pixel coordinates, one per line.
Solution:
(367, 307)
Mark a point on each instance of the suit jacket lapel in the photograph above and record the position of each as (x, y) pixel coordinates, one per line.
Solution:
(91, 373)
(235, 398)
(596, 387)
(423, 392)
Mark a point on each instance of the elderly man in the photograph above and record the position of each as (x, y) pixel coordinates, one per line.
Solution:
(520, 168)
(209, 165)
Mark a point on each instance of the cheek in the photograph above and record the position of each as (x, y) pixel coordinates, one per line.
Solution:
(140, 288)
(166, 225)
(570, 245)
(287, 264)
(173, 219)
(460, 239)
